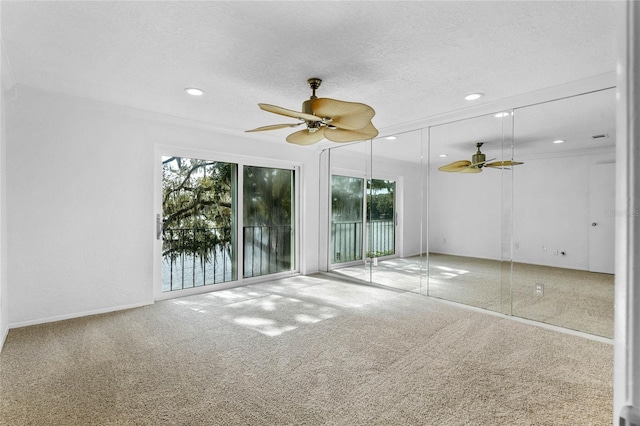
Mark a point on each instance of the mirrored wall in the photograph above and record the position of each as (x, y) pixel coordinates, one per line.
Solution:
(510, 212)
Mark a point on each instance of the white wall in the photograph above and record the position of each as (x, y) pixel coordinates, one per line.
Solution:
(4, 311)
(465, 213)
(80, 197)
(7, 93)
(551, 209)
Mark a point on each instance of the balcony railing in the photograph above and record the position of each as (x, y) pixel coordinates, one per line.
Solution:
(381, 238)
(267, 249)
(346, 240)
(197, 257)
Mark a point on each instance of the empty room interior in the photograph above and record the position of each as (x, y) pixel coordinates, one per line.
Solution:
(308, 212)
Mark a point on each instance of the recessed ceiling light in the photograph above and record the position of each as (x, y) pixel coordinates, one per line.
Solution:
(502, 114)
(559, 141)
(391, 138)
(473, 96)
(194, 91)
(443, 155)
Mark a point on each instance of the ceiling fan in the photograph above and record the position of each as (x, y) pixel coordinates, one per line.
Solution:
(337, 121)
(478, 161)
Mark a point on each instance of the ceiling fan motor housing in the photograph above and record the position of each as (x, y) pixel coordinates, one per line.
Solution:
(478, 158)
(306, 106)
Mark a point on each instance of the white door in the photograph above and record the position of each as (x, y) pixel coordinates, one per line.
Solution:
(602, 218)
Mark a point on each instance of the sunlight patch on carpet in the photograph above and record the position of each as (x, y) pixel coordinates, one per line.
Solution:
(274, 315)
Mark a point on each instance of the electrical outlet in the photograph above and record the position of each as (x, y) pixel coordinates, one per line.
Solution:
(539, 289)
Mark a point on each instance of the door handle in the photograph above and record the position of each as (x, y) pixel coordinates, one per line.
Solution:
(594, 224)
(158, 227)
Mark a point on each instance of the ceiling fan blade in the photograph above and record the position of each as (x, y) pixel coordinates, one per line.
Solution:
(304, 137)
(456, 166)
(344, 115)
(289, 112)
(470, 169)
(503, 164)
(343, 135)
(273, 127)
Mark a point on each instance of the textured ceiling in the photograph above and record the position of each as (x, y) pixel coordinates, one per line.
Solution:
(408, 60)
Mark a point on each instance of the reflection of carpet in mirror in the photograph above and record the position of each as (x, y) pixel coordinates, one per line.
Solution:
(400, 273)
(577, 300)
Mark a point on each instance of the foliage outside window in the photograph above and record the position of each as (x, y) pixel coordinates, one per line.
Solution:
(198, 217)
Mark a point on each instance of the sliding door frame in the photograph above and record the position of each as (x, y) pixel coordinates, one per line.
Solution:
(241, 161)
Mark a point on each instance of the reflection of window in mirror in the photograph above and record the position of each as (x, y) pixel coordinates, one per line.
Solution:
(392, 175)
(514, 238)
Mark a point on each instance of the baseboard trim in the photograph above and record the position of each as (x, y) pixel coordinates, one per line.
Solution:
(3, 337)
(552, 327)
(77, 315)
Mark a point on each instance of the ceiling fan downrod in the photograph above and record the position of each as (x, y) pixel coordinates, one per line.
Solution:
(312, 126)
(478, 158)
(314, 83)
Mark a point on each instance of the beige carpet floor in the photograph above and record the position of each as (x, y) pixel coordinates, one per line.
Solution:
(577, 300)
(302, 351)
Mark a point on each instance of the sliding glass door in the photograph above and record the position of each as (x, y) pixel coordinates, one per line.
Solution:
(198, 217)
(381, 226)
(268, 212)
(208, 205)
(347, 218)
(362, 222)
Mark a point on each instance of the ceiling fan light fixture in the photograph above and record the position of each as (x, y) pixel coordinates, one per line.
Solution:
(473, 96)
(194, 91)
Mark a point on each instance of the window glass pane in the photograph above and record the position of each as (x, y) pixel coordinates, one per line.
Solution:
(347, 197)
(198, 207)
(268, 220)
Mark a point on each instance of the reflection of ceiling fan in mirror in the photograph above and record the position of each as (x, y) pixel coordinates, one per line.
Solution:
(478, 161)
(337, 121)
